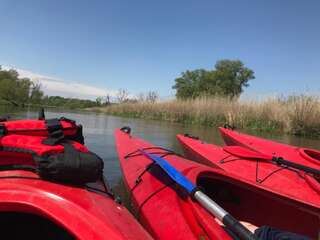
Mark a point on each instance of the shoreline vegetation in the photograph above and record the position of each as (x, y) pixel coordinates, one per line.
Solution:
(297, 115)
(203, 97)
(22, 92)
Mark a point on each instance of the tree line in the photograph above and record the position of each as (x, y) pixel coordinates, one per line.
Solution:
(228, 78)
(22, 92)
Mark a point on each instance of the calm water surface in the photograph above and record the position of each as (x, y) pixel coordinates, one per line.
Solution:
(99, 129)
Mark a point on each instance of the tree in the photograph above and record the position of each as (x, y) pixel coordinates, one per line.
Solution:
(122, 95)
(107, 100)
(36, 95)
(21, 91)
(141, 97)
(152, 96)
(227, 79)
(14, 89)
(99, 101)
(232, 76)
(188, 85)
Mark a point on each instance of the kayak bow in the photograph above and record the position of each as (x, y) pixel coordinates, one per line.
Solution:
(309, 158)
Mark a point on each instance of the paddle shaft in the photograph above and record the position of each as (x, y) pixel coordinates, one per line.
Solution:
(214, 208)
(282, 161)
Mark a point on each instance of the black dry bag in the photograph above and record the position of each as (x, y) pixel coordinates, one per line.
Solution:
(71, 166)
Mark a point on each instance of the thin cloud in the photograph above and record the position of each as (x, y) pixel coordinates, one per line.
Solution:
(53, 86)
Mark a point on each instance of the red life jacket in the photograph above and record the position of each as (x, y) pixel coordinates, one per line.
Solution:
(49, 150)
(54, 129)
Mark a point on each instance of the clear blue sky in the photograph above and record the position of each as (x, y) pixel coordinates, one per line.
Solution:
(144, 44)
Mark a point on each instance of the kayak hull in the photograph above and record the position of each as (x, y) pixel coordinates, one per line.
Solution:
(167, 212)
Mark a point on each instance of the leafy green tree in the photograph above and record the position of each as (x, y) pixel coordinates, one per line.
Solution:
(36, 95)
(99, 101)
(22, 91)
(232, 76)
(227, 79)
(14, 89)
(188, 85)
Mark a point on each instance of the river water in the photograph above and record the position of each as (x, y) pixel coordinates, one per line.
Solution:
(99, 128)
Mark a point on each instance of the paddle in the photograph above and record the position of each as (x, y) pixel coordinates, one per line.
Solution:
(249, 154)
(230, 222)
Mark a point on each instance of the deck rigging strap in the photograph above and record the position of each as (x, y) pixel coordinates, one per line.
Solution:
(165, 152)
(55, 132)
(3, 130)
(258, 179)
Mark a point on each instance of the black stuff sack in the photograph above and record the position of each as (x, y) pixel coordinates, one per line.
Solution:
(71, 166)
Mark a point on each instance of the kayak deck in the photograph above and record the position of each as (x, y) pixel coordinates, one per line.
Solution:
(305, 156)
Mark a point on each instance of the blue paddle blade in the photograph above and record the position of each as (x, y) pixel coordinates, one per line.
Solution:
(173, 173)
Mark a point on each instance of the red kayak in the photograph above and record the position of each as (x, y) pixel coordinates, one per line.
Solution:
(304, 156)
(262, 173)
(43, 195)
(167, 212)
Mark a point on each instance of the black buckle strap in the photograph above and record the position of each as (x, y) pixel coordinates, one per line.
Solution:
(55, 132)
(3, 130)
(3, 119)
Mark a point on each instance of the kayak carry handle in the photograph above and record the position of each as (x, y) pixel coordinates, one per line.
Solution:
(229, 126)
(126, 129)
(191, 136)
(234, 225)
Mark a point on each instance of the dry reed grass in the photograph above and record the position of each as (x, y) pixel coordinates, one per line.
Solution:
(298, 115)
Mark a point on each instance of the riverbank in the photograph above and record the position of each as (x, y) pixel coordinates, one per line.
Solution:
(298, 115)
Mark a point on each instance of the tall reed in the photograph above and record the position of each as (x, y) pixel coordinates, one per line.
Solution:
(298, 115)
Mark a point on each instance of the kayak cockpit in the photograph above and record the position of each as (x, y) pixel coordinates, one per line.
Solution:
(17, 225)
(258, 207)
(310, 155)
